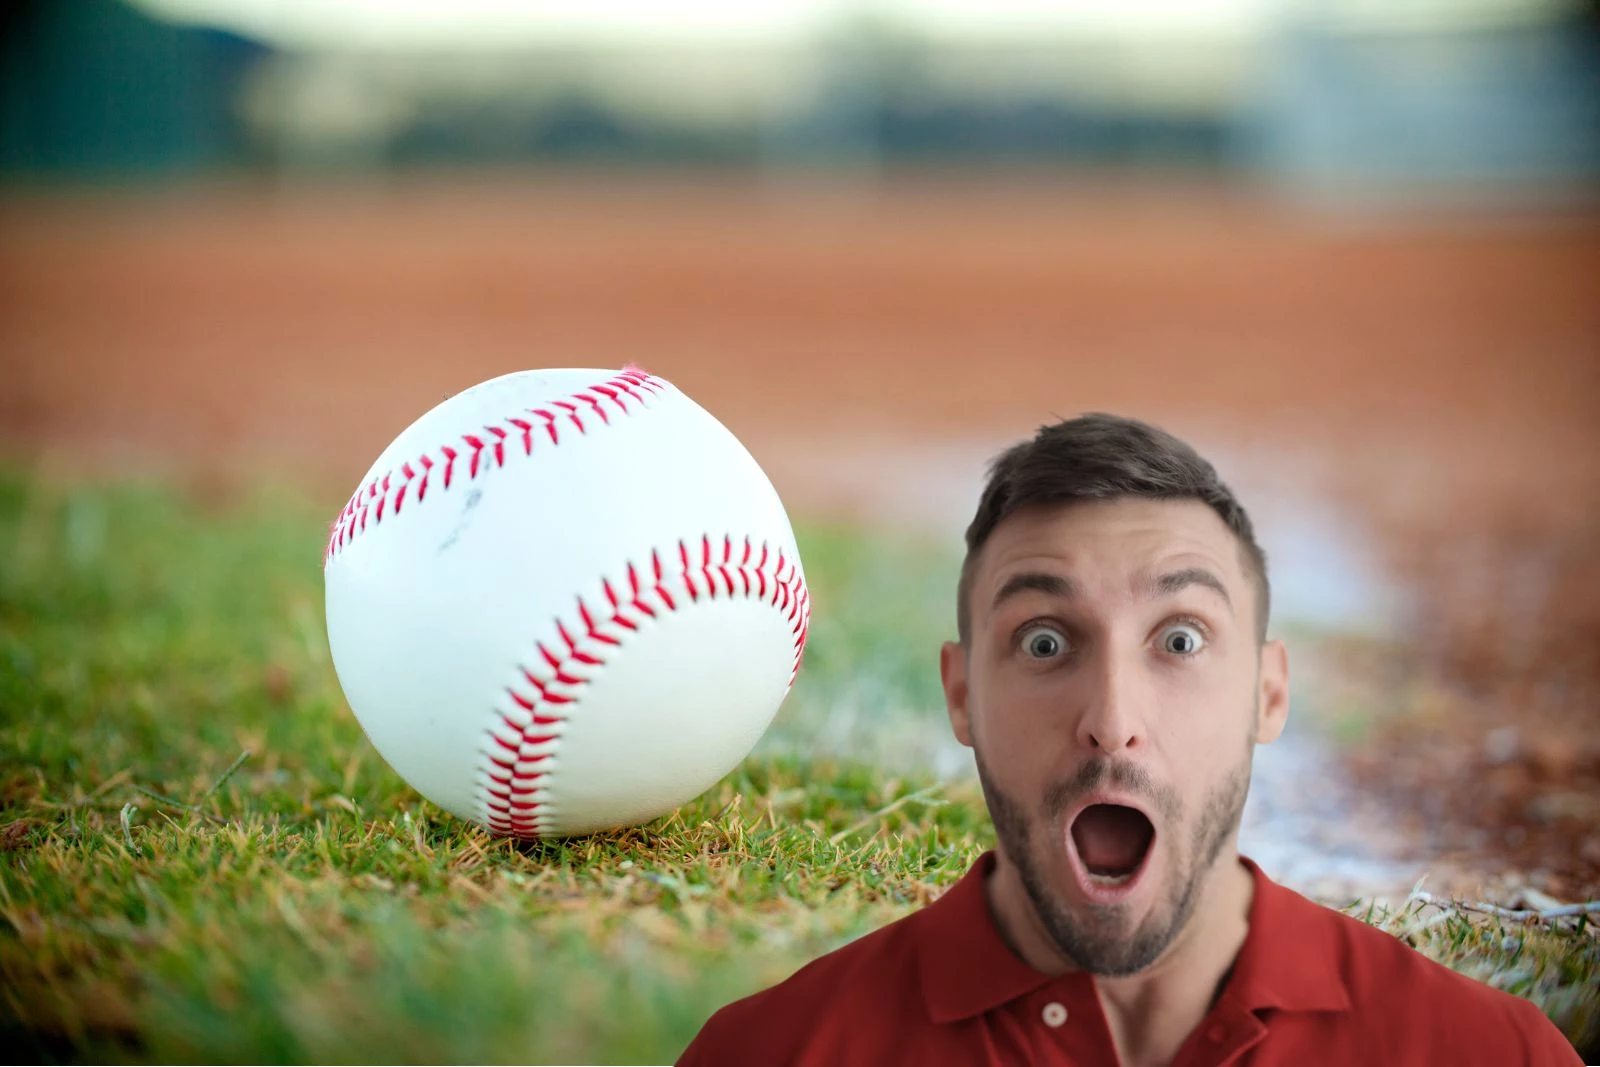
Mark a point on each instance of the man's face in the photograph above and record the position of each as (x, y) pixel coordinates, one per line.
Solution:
(1113, 690)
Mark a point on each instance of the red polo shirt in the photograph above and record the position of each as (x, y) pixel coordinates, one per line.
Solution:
(1309, 986)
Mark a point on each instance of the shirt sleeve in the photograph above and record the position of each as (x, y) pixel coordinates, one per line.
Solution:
(702, 1051)
(1543, 1042)
(719, 1044)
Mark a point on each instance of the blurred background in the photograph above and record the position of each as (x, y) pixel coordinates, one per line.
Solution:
(1349, 248)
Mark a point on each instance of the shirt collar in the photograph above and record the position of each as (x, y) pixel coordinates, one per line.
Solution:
(1289, 959)
(967, 969)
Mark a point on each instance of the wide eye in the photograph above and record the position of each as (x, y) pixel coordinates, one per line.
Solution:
(1043, 642)
(1183, 639)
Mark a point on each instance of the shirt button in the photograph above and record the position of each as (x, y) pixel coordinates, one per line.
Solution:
(1216, 1034)
(1054, 1014)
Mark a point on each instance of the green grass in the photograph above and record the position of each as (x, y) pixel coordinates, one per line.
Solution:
(309, 907)
(314, 908)
(1556, 966)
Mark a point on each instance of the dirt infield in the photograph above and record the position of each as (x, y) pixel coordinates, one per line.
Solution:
(871, 346)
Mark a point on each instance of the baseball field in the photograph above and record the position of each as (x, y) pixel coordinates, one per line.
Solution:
(205, 860)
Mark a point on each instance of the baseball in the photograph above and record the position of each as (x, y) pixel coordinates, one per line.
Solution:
(565, 600)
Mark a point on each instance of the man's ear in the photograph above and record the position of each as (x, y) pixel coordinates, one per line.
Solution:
(1272, 698)
(953, 673)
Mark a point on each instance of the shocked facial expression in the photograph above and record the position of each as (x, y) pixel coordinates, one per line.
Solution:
(1113, 689)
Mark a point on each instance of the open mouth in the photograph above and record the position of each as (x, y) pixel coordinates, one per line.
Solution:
(1112, 842)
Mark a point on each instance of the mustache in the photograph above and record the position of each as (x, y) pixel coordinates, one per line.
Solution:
(1127, 777)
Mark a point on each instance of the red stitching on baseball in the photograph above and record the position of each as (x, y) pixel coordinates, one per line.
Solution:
(389, 489)
(512, 804)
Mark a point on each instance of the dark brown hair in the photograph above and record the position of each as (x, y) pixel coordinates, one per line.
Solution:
(1105, 457)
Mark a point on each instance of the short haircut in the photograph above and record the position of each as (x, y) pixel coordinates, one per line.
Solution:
(1100, 457)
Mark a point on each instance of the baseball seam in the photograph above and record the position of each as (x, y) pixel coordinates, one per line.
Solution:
(518, 753)
(478, 453)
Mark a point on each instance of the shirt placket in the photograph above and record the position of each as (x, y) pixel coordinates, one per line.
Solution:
(1222, 1038)
(1069, 1024)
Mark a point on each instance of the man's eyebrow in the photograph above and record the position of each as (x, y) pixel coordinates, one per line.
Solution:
(1035, 581)
(1169, 584)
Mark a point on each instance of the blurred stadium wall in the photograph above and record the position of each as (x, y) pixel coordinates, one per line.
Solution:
(1324, 97)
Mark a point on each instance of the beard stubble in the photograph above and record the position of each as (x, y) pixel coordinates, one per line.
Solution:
(1096, 937)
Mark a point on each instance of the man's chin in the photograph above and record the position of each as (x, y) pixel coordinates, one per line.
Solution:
(1109, 941)
(1106, 930)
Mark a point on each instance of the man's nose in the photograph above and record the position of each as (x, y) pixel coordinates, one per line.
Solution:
(1111, 720)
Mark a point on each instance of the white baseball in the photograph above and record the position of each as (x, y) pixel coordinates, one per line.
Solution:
(565, 600)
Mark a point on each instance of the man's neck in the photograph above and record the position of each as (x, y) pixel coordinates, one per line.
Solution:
(1152, 1012)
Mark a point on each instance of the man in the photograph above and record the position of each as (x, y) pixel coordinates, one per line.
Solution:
(1113, 677)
